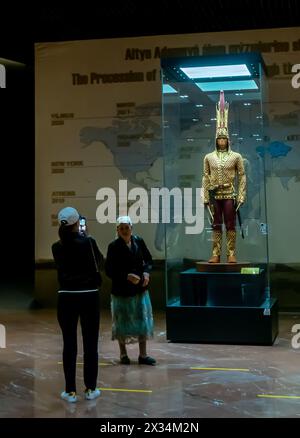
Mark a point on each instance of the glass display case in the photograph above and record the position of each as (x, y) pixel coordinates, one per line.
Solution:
(227, 302)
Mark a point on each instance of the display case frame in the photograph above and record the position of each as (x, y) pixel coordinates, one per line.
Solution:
(221, 302)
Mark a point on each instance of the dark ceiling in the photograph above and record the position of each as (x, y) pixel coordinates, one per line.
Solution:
(22, 25)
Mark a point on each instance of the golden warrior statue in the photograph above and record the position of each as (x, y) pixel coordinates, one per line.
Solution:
(221, 168)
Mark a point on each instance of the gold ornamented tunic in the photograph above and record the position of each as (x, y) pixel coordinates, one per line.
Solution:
(221, 169)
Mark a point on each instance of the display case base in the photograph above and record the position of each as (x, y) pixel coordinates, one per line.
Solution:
(223, 325)
(221, 267)
(222, 288)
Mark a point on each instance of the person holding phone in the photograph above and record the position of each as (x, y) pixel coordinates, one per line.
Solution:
(128, 264)
(78, 261)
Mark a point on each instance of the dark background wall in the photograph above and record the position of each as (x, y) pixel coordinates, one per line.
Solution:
(17, 175)
(22, 25)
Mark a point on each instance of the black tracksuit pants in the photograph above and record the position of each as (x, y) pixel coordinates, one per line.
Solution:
(71, 307)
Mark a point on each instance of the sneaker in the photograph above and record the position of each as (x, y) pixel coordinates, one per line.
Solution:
(125, 360)
(69, 396)
(147, 360)
(91, 394)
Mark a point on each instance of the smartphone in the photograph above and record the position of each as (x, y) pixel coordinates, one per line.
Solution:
(82, 225)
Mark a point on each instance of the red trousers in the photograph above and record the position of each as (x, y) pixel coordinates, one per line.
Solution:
(224, 208)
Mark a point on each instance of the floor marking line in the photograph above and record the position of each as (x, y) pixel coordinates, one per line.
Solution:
(126, 390)
(278, 396)
(219, 369)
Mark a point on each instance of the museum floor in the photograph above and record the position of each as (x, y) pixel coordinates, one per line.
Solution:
(189, 380)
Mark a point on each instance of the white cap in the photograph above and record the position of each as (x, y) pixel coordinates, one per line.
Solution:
(124, 220)
(68, 216)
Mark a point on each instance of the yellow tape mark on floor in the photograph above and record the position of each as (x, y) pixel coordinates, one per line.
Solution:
(125, 390)
(219, 369)
(278, 396)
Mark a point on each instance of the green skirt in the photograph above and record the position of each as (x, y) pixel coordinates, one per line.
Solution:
(131, 318)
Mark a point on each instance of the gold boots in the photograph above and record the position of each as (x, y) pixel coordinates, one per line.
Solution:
(217, 244)
(231, 236)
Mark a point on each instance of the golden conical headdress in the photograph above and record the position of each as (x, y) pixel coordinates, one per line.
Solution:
(222, 109)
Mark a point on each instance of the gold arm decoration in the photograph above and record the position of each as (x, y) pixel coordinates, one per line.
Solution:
(206, 180)
(242, 180)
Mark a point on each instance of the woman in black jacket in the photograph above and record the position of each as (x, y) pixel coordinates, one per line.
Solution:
(128, 264)
(78, 261)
